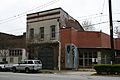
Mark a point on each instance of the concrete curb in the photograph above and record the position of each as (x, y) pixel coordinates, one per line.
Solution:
(67, 71)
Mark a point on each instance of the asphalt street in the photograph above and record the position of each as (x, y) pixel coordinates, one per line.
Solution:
(54, 76)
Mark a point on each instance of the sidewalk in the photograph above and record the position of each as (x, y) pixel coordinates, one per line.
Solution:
(74, 72)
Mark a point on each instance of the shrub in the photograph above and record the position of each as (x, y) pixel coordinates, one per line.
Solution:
(107, 69)
(115, 69)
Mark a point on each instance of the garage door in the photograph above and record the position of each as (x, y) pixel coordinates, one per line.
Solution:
(46, 55)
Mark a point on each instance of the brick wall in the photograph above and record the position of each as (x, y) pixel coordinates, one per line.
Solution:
(117, 43)
(89, 39)
(85, 39)
(105, 40)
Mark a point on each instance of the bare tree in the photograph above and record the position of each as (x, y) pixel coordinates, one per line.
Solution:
(117, 31)
(87, 25)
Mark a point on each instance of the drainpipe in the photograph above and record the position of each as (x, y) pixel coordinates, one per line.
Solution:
(59, 57)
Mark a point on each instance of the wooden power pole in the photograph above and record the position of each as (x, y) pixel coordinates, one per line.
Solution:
(111, 32)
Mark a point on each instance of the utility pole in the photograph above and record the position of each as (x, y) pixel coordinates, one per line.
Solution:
(111, 32)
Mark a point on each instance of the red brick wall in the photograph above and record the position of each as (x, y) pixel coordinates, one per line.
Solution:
(105, 40)
(117, 43)
(84, 40)
(74, 37)
(69, 35)
(65, 37)
(89, 39)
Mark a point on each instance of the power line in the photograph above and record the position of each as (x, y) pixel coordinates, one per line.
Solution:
(89, 15)
(116, 13)
(24, 13)
(11, 19)
(98, 23)
(25, 28)
(94, 17)
(102, 11)
(103, 6)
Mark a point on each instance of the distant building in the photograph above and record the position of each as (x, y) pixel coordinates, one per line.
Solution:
(12, 41)
(12, 48)
(12, 55)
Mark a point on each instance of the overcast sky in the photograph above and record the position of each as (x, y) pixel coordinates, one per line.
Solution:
(13, 12)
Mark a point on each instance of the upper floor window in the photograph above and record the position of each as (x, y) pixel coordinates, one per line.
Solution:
(41, 32)
(31, 33)
(52, 31)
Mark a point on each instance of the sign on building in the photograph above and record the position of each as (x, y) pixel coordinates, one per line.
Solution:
(71, 56)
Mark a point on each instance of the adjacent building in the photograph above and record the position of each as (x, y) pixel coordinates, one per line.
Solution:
(93, 47)
(12, 48)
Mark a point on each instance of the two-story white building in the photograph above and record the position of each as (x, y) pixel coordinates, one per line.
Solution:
(43, 35)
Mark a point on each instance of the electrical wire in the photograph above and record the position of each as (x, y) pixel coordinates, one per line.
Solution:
(57, 32)
(24, 13)
(93, 17)
(102, 11)
(89, 15)
(98, 23)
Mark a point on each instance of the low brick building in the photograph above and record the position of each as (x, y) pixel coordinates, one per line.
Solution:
(93, 47)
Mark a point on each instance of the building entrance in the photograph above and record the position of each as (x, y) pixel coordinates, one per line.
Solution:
(46, 55)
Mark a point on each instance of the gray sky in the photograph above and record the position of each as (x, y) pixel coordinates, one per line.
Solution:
(13, 12)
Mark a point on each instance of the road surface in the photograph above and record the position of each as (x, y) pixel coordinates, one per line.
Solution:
(56, 76)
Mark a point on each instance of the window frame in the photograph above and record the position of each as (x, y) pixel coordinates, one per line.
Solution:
(41, 33)
(53, 31)
(31, 33)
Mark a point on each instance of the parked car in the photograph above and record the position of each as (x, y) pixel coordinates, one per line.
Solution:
(8, 67)
(27, 66)
(4, 66)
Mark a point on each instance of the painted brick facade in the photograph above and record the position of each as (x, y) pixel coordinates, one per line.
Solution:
(117, 43)
(89, 39)
(86, 39)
